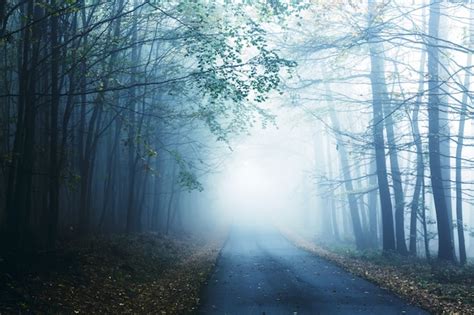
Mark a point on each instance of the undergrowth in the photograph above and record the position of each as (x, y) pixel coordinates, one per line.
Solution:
(120, 274)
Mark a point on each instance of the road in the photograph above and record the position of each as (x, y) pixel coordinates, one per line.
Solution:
(261, 272)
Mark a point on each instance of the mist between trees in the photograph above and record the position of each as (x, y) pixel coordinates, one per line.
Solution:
(130, 116)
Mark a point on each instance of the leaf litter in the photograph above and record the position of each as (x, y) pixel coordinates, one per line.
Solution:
(120, 274)
(438, 287)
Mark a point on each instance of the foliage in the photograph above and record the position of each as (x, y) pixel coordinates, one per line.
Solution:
(235, 67)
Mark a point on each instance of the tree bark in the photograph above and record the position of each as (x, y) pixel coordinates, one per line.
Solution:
(346, 174)
(54, 169)
(378, 85)
(420, 164)
(444, 227)
(460, 143)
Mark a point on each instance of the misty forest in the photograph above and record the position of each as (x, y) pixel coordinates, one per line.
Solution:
(236, 157)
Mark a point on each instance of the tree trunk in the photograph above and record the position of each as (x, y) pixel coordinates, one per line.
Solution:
(444, 227)
(20, 178)
(331, 197)
(378, 86)
(420, 164)
(346, 174)
(444, 121)
(459, 147)
(396, 174)
(372, 207)
(170, 200)
(423, 213)
(54, 169)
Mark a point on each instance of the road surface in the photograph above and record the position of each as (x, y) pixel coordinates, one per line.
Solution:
(260, 272)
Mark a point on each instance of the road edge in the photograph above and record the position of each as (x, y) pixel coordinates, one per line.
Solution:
(402, 287)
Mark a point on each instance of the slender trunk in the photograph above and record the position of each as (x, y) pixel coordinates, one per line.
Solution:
(156, 197)
(82, 163)
(19, 202)
(133, 211)
(12, 213)
(93, 132)
(444, 120)
(423, 213)
(378, 86)
(332, 201)
(459, 147)
(109, 186)
(372, 207)
(396, 179)
(377, 55)
(361, 197)
(170, 200)
(420, 164)
(54, 169)
(346, 174)
(444, 227)
(86, 172)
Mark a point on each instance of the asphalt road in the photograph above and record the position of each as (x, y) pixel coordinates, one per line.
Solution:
(260, 272)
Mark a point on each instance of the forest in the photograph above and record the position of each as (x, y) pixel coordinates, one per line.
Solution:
(151, 149)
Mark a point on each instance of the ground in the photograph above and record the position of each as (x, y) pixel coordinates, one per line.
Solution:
(258, 270)
(121, 274)
(436, 286)
(261, 272)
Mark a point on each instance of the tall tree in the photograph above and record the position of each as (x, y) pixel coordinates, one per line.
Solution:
(420, 164)
(445, 251)
(346, 173)
(460, 143)
(378, 85)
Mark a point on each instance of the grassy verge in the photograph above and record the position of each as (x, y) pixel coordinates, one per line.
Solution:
(146, 273)
(439, 288)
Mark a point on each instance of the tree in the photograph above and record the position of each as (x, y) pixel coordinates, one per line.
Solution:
(445, 251)
(460, 143)
(360, 238)
(378, 86)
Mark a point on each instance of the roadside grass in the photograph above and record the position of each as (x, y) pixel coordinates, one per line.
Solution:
(120, 274)
(438, 287)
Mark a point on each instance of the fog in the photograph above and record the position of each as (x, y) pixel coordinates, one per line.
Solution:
(350, 122)
(268, 175)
